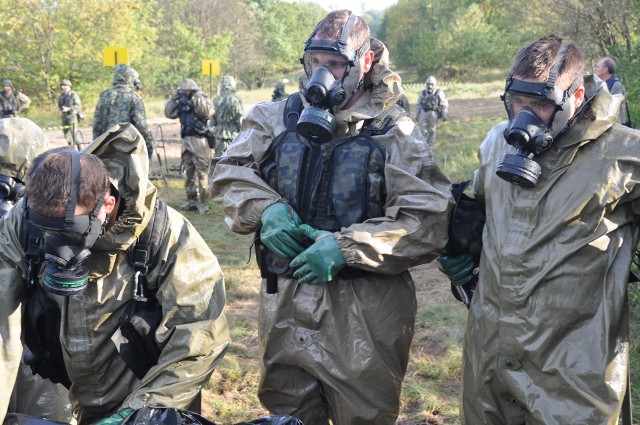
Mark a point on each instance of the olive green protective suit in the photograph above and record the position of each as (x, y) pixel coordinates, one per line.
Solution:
(340, 350)
(193, 333)
(547, 335)
(21, 140)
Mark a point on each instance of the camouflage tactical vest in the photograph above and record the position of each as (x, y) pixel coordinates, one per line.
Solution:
(429, 101)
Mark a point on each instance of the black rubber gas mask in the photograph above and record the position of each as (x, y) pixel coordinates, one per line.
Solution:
(68, 240)
(326, 95)
(526, 131)
(10, 191)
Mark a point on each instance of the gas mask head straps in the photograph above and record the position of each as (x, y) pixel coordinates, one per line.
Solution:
(526, 131)
(68, 239)
(325, 94)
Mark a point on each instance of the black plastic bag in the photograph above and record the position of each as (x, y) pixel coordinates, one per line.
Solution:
(172, 416)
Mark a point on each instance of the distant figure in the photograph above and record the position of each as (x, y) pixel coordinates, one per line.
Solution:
(404, 102)
(605, 69)
(121, 103)
(228, 115)
(432, 105)
(69, 105)
(194, 109)
(279, 92)
(13, 101)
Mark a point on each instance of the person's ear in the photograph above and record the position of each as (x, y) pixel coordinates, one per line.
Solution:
(368, 60)
(109, 203)
(578, 97)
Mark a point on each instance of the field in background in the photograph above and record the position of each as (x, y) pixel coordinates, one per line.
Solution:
(431, 388)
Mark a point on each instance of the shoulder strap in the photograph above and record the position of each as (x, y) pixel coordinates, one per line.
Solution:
(383, 124)
(292, 110)
(144, 252)
(31, 239)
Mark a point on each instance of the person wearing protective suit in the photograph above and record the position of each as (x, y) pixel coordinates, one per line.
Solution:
(194, 110)
(547, 335)
(121, 331)
(12, 101)
(122, 103)
(69, 105)
(346, 197)
(227, 118)
(432, 106)
(21, 140)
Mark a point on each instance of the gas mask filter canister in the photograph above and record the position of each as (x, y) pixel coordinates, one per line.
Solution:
(68, 239)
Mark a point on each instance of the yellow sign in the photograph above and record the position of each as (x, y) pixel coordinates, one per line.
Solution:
(210, 67)
(115, 55)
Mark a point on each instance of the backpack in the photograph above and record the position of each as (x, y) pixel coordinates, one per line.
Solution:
(42, 317)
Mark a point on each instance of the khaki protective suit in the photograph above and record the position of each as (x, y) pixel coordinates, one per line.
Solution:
(340, 350)
(547, 335)
(193, 333)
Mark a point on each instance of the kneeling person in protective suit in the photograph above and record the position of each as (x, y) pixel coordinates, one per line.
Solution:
(21, 140)
(92, 286)
(346, 197)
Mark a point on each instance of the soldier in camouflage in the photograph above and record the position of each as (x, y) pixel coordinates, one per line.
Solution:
(228, 116)
(13, 102)
(432, 105)
(69, 105)
(121, 104)
(194, 110)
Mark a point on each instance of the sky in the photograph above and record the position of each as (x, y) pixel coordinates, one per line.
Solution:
(357, 6)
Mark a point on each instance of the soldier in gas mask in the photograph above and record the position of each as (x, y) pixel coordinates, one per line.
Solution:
(193, 109)
(432, 106)
(345, 196)
(21, 141)
(123, 300)
(547, 335)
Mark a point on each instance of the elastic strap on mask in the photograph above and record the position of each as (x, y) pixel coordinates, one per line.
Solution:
(70, 213)
(344, 37)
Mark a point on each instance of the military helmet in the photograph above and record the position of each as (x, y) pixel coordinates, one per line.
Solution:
(7, 83)
(228, 83)
(21, 140)
(188, 85)
(65, 82)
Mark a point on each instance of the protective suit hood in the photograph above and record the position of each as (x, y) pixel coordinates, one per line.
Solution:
(382, 89)
(123, 74)
(122, 149)
(21, 140)
(228, 85)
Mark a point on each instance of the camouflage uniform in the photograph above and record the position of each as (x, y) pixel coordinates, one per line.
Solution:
(228, 116)
(193, 109)
(69, 117)
(21, 140)
(193, 333)
(13, 102)
(341, 349)
(432, 105)
(121, 104)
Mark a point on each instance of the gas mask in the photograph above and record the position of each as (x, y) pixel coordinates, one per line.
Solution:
(325, 94)
(10, 191)
(68, 240)
(526, 131)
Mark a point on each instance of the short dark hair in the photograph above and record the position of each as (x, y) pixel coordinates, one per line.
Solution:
(48, 182)
(610, 64)
(535, 60)
(331, 26)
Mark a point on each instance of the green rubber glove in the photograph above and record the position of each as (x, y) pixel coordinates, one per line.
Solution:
(280, 231)
(459, 270)
(322, 261)
(116, 419)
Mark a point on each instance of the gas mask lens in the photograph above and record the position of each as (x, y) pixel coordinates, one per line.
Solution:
(336, 64)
